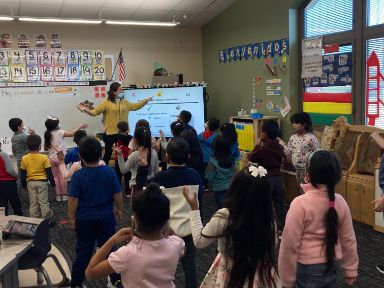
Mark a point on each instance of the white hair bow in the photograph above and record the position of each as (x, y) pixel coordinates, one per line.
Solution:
(257, 171)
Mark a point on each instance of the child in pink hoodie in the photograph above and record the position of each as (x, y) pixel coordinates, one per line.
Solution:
(318, 236)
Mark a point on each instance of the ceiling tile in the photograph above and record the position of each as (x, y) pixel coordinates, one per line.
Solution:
(79, 12)
(133, 4)
(219, 6)
(194, 6)
(160, 4)
(203, 18)
(149, 15)
(43, 2)
(117, 13)
(5, 9)
(38, 11)
(93, 3)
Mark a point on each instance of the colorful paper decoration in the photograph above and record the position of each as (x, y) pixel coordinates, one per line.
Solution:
(60, 73)
(372, 93)
(254, 50)
(245, 135)
(98, 65)
(33, 73)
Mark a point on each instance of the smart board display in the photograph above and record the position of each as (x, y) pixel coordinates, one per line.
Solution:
(166, 106)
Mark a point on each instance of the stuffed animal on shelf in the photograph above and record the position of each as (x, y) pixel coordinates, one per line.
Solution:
(340, 126)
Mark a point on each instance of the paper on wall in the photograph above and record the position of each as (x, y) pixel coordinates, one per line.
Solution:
(286, 107)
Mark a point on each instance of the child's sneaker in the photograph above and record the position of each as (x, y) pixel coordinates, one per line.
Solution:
(58, 198)
(64, 197)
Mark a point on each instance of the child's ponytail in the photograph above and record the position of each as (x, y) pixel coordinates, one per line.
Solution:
(324, 169)
(51, 124)
(332, 221)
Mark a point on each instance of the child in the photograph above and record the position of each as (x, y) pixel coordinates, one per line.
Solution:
(301, 144)
(269, 153)
(206, 138)
(19, 140)
(245, 231)
(94, 190)
(73, 155)
(176, 128)
(318, 236)
(185, 117)
(142, 123)
(178, 175)
(8, 186)
(143, 140)
(35, 172)
(220, 169)
(379, 202)
(150, 259)
(123, 143)
(195, 159)
(229, 130)
(53, 143)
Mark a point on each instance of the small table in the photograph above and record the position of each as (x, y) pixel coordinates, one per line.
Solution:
(11, 250)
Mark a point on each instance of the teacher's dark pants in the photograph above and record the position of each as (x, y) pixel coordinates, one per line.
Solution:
(109, 140)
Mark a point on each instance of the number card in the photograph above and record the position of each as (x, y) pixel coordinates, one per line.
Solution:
(18, 73)
(98, 57)
(4, 73)
(33, 73)
(73, 73)
(46, 73)
(73, 57)
(86, 72)
(98, 72)
(59, 57)
(31, 58)
(18, 58)
(60, 73)
(4, 59)
(46, 57)
(86, 57)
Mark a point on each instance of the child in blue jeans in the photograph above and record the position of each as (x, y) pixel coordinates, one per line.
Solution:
(94, 190)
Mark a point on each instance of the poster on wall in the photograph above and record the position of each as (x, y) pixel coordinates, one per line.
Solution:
(59, 57)
(4, 73)
(73, 72)
(33, 73)
(46, 73)
(45, 57)
(17, 57)
(312, 65)
(31, 57)
(18, 73)
(60, 73)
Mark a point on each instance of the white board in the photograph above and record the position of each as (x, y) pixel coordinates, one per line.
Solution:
(34, 104)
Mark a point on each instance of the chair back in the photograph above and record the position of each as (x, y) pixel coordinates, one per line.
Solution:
(41, 240)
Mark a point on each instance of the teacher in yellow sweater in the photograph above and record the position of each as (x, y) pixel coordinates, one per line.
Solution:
(114, 109)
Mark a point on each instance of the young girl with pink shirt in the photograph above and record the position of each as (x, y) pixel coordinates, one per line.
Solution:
(318, 236)
(150, 259)
(53, 143)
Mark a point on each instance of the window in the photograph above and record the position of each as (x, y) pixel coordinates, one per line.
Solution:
(377, 73)
(375, 12)
(322, 17)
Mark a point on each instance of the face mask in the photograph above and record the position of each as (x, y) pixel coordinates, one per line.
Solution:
(120, 96)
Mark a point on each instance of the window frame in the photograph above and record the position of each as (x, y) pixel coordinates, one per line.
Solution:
(358, 36)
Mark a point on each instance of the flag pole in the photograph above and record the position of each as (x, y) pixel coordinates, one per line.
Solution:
(117, 61)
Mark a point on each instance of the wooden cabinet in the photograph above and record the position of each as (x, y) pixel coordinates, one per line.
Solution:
(354, 198)
(359, 196)
(341, 187)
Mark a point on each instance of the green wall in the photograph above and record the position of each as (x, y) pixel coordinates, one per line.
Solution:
(230, 84)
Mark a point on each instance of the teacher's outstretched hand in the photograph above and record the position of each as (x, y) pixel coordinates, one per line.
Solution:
(114, 109)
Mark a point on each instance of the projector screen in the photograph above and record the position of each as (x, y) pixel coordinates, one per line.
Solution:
(166, 106)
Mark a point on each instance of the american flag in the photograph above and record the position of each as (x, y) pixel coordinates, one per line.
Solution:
(120, 61)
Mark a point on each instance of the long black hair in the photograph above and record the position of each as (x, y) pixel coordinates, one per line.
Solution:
(324, 169)
(151, 209)
(250, 234)
(143, 138)
(229, 130)
(222, 151)
(112, 90)
(195, 160)
(51, 124)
